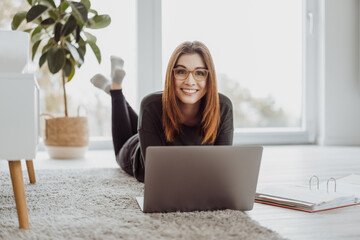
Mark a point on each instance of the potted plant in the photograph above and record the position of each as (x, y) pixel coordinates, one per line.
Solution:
(59, 34)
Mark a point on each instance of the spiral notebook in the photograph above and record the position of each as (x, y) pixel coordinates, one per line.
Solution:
(332, 194)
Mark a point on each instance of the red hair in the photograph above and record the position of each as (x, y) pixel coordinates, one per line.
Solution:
(172, 115)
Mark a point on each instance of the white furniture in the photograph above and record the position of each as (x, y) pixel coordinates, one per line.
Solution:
(14, 51)
(19, 119)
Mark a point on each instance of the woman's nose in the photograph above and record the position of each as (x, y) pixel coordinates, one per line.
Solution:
(190, 80)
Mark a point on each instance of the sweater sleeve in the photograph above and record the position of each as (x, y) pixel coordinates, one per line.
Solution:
(150, 126)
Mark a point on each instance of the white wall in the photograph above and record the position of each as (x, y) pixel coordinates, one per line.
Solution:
(339, 85)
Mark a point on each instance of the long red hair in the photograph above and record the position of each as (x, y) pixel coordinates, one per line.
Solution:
(172, 115)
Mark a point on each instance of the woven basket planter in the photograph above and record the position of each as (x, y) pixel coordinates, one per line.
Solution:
(66, 137)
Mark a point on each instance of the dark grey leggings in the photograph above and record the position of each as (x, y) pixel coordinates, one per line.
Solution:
(124, 130)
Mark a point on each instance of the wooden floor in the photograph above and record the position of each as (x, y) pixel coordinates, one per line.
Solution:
(292, 164)
(296, 165)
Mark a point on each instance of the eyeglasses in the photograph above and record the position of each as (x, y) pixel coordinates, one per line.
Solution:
(198, 74)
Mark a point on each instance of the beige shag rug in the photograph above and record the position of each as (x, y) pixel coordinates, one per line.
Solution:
(100, 204)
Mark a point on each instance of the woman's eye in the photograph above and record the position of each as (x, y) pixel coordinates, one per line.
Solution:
(181, 71)
(200, 73)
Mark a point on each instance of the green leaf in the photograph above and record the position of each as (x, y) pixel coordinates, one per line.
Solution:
(54, 13)
(82, 45)
(67, 52)
(48, 45)
(96, 50)
(36, 31)
(57, 31)
(69, 26)
(35, 12)
(64, 6)
(72, 70)
(90, 37)
(99, 21)
(28, 30)
(71, 74)
(17, 20)
(93, 11)
(48, 21)
(36, 34)
(32, 2)
(68, 68)
(86, 3)
(34, 49)
(74, 53)
(50, 2)
(80, 11)
(55, 59)
(77, 36)
(43, 59)
(81, 54)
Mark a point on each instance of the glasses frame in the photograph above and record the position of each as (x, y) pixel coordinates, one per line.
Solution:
(192, 73)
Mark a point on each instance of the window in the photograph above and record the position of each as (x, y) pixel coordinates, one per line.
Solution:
(265, 54)
(258, 47)
(119, 39)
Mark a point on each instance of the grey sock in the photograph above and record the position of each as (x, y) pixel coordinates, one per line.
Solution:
(118, 75)
(100, 81)
(116, 62)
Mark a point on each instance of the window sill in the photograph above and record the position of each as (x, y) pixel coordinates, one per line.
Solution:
(267, 136)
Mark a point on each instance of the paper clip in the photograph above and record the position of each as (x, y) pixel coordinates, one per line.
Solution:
(317, 183)
(327, 184)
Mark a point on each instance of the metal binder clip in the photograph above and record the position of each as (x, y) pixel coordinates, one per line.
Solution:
(317, 183)
(327, 184)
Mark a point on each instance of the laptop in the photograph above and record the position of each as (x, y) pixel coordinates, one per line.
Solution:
(200, 178)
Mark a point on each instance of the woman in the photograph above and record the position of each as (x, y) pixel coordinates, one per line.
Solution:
(189, 111)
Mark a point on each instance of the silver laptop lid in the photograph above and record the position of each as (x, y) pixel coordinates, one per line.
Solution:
(196, 178)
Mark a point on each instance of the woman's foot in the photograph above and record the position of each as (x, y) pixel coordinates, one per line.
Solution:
(101, 82)
(118, 75)
(116, 62)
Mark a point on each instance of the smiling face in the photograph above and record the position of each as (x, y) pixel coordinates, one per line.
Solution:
(189, 90)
